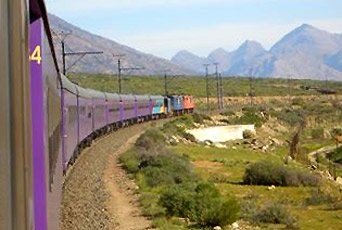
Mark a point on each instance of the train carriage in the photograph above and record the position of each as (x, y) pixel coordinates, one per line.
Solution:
(177, 104)
(98, 100)
(143, 105)
(158, 107)
(127, 113)
(70, 129)
(113, 109)
(188, 104)
(85, 113)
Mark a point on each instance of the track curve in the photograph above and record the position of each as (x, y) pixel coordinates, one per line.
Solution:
(86, 196)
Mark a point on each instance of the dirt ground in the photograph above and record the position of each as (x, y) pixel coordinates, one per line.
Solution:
(97, 194)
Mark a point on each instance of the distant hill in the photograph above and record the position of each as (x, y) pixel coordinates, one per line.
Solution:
(81, 40)
(306, 52)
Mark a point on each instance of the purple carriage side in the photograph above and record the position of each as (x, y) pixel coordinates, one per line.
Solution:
(47, 126)
(128, 115)
(143, 109)
(85, 113)
(113, 108)
(99, 120)
(70, 131)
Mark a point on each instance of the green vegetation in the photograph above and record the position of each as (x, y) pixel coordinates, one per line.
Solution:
(183, 184)
(185, 85)
(270, 173)
(336, 155)
(170, 188)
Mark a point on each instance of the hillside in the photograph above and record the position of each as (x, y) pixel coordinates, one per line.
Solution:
(81, 40)
(306, 52)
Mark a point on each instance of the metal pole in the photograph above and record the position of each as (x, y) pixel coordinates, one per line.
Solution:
(63, 57)
(165, 84)
(221, 93)
(217, 85)
(119, 74)
(250, 89)
(207, 84)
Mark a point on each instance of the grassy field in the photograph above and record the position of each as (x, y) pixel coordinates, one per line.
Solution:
(233, 86)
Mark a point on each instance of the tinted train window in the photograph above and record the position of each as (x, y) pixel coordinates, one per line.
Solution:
(54, 128)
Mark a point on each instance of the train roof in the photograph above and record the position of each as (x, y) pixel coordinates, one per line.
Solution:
(146, 97)
(127, 97)
(112, 96)
(155, 97)
(96, 94)
(68, 85)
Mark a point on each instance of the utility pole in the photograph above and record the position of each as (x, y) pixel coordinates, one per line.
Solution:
(207, 84)
(166, 78)
(165, 84)
(217, 85)
(251, 87)
(289, 78)
(80, 54)
(120, 69)
(119, 56)
(221, 93)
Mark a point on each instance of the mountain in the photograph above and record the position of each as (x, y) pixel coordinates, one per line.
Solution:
(189, 60)
(245, 58)
(81, 40)
(220, 56)
(306, 52)
(302, 52)
(334, 61)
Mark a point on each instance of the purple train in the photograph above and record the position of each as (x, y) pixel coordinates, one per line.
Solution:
(45, 119)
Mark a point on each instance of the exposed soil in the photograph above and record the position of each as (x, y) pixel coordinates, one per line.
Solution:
(97, 194)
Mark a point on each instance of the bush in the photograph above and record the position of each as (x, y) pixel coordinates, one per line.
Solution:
(150, 139)
(317, 133)
(130, 161)
(247, 134)
(275, 214)
(199, 118)
(269, 173)
(336, 155)
(250, 118)
(201, 204)
(166, 169)
(290, 117)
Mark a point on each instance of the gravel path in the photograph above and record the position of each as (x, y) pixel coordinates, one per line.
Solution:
(97, 194)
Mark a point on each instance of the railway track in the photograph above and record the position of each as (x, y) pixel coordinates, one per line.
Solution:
(89, 187)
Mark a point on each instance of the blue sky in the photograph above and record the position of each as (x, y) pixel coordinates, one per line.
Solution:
(163, 27)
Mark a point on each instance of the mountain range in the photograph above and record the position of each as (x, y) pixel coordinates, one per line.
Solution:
(79, 40)
(306, 52)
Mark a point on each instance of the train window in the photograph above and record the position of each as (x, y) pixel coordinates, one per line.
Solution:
(54, 127)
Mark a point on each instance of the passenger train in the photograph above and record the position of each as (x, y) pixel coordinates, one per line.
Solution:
(46, 120)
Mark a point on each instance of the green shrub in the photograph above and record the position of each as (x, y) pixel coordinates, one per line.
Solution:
(211, 209)
(250, 118)
(317, 133)
(275, 214)
(166, 169)
(290, 117)
(189, 137)
(336, 155)
(269, 173)
(201, 204)
(151, 138)
(247, 134)
(298, 101)
(199, 118)
(130, 161)
(336, 132)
